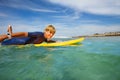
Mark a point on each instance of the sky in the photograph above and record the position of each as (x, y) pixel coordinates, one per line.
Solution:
(70, 17)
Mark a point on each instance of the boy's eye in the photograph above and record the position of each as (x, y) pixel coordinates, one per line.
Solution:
(51, 32)
(47, 29)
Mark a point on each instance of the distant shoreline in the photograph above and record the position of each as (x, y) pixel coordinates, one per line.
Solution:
(106, 34)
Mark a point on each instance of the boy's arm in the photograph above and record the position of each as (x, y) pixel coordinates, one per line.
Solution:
(50, 41)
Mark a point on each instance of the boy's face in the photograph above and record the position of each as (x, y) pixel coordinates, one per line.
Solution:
(48, 34)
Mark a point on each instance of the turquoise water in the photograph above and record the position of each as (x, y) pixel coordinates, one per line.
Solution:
(94, 59)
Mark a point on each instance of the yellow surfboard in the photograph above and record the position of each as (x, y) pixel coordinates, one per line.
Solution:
(64, 43)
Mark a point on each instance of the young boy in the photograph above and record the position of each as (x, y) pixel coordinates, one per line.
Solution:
(22, 38)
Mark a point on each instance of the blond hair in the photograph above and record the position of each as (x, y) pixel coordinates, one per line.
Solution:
(50, 28)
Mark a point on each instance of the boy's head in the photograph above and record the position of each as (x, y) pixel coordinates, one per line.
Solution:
(49, 31)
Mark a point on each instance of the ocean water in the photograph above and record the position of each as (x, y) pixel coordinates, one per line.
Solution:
(96, 58)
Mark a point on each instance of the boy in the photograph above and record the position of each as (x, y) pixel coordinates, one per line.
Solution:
(22, 38)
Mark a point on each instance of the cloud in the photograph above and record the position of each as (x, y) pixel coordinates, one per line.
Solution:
(28, 5)
(85, 29)
(100, 7)
(20, 24)
(68, 17)
(3, 15)
(41, 10)
(92, 28)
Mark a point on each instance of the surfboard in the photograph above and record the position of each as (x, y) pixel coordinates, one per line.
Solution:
(64, 43)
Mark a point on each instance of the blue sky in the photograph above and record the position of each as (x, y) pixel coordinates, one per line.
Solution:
(70, 17)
